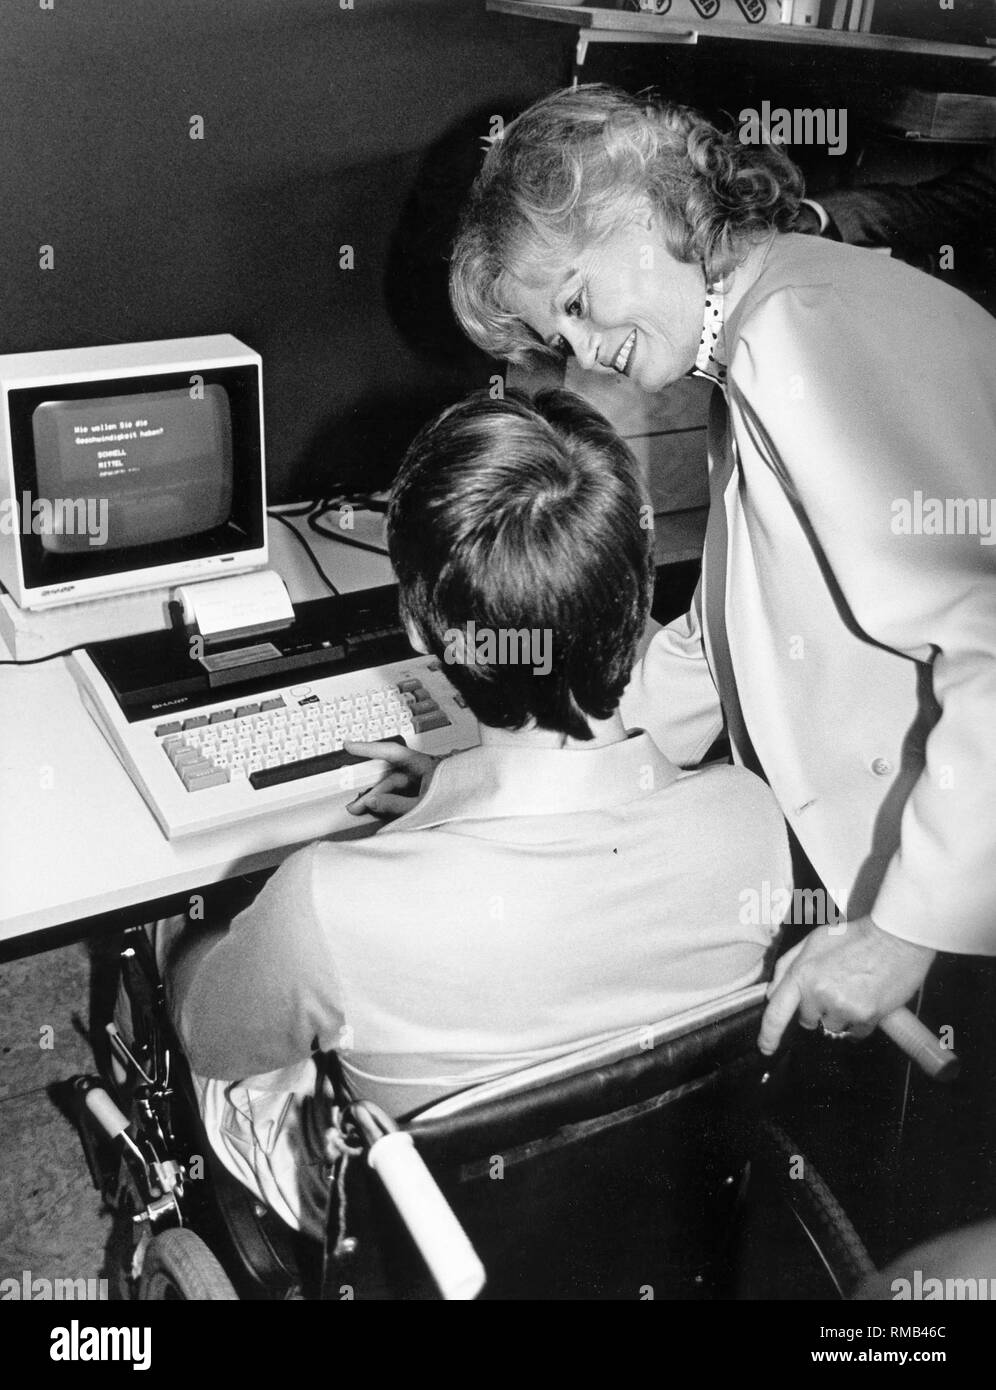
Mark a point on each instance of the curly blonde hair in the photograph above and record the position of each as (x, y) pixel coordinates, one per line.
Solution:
(583, 162)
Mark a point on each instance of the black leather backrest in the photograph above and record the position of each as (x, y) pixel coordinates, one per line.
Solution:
(720, 1054)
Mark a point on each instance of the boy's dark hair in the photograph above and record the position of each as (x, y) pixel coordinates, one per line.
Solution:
(526, 515)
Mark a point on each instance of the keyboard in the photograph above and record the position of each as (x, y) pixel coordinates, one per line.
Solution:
(237, 747)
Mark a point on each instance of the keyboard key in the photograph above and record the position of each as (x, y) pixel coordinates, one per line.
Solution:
(307, 767)
(197, 768)
(180, 757)
(197, 782)
(424, 722)
(271, 740)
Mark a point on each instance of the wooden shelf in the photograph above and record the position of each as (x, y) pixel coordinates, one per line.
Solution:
(626, 26)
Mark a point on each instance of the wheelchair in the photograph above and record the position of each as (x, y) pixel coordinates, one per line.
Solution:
(639, 1168)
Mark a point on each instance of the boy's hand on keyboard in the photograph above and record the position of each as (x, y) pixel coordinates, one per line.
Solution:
(401, 788)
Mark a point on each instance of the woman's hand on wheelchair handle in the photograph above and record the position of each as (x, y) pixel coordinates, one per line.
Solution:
(847, 977)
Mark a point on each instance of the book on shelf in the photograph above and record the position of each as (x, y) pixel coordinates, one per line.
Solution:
(702, 13)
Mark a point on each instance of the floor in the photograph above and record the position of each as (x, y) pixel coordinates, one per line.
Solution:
(51, 1221)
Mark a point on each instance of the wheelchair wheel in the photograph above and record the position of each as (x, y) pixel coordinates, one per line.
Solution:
(180, 1268)
(837, 1259)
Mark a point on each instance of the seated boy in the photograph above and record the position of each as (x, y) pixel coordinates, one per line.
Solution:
(557, 885)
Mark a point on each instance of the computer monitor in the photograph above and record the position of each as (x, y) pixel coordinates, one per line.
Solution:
(130, 467)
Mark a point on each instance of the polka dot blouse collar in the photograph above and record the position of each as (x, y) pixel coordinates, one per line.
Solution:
(708, 361)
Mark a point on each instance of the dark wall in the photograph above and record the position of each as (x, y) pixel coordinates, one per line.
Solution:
(323, 126)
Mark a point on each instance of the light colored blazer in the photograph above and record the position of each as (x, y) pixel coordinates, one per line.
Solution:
(855, 658)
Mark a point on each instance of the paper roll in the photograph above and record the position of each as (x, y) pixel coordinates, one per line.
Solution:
(243, 603)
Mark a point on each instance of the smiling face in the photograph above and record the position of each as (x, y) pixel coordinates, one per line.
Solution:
(625, 305)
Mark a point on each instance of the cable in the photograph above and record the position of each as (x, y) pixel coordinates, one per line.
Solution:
(37, 660)
(311, 554)
(321, 507)
(292, 509)
(314, 523)
(365, 502)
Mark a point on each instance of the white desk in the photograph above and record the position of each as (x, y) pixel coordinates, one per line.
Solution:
(76, 837)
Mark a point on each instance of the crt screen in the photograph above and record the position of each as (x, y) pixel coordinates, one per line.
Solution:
(156, 465)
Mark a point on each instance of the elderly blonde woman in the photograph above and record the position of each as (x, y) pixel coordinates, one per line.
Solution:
(845, 626)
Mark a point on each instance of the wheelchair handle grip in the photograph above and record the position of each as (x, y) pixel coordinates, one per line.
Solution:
(919, 1043)
(440, 1238)
(105, 1112)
